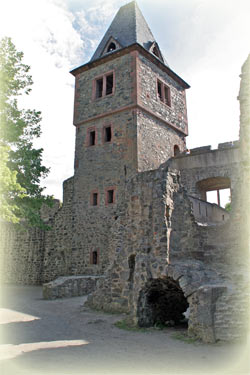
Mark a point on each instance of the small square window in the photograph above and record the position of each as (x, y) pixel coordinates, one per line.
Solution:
(92, 138)
(107, 134)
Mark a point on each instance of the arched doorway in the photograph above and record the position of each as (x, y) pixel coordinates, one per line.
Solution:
(176, 150)
(161, 301)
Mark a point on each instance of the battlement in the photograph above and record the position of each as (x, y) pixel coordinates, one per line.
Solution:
(205, 149)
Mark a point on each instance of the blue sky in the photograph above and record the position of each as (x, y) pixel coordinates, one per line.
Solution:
(204, 41)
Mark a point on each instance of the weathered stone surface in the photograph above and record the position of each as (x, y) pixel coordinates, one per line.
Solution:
(69, 286)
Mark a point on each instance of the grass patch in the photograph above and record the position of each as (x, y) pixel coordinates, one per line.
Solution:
(123, 324)
(185, 338)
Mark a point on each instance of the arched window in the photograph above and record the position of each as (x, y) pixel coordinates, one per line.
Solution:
(111, 47)
(176, 150)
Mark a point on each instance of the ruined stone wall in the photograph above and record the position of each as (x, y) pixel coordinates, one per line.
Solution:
(203, 163)
(58, 241)
(21, 255)
(157, 237)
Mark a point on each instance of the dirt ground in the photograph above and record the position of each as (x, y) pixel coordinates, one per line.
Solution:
(63, 337)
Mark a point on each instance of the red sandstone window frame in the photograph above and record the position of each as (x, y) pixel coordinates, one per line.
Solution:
(89, 130)
(103, 77)
(104, 133)
(91, 257)
(163, 92)
(92, 200)
(107, 189)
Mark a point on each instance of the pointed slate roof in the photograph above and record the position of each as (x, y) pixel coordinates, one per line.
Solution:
(128, 27)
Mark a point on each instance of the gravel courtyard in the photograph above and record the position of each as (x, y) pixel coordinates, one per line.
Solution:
(62, 337)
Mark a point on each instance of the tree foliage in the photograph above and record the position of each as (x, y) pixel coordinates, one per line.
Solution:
(21, 166)
(228, 206)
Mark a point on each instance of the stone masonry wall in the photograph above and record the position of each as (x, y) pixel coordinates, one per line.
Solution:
(155, 141)
(157, 236)
(176, 113)
(124, 80)
(21, 255)
(204, 164)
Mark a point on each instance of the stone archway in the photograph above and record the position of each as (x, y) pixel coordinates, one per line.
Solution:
(161, 301)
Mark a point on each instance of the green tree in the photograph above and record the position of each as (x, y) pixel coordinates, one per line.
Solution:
(228, 206)
(21, 166)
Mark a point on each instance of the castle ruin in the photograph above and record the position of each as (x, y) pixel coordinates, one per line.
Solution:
(135, 228)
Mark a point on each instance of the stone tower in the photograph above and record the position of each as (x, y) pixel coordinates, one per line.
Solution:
(130, 116)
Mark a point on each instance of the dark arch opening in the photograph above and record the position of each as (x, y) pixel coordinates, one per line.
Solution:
(161, 302)
(176, 150)
(111, 47)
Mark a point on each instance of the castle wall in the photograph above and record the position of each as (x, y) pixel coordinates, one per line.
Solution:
(157, 237)
(203, 163)
(58, 240)
(21, 255)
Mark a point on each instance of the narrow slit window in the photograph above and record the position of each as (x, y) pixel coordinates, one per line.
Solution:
(94, 257)
(99, 87)
(95, 199)
(109, 84)
(107, 134)
(110, 197)
(92, 138)
(159, 88)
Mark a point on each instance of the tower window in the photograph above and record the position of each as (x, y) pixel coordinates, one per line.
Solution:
(163, 92)
(103, 86)
(111, 47)
(92, 138)
(109, 84)
(95, 199)
(159, 89)
(107, 134)
(99, 87)
(94, 257)
(110, 196)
